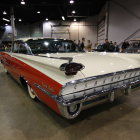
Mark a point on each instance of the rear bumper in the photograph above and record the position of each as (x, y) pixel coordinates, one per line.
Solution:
(95, 100)
(98, 94)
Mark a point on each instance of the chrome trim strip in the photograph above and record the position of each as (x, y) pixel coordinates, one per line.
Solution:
(70, 59)
(105, 85)
(54, 97)
(100, 76)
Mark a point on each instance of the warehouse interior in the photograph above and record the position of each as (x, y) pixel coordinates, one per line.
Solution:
(95, 20)
(105, 19)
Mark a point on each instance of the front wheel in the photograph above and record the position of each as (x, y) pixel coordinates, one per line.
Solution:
(31, 93)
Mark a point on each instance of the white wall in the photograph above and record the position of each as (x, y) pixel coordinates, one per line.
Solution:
(7, 35)
(86, 28)
(23, 30)
(36, 30)
(124, 20)
(29, 30)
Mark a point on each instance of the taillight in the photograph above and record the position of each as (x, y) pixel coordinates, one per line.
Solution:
(71, 68)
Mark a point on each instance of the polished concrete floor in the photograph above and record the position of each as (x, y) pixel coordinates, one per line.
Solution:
(23, 119)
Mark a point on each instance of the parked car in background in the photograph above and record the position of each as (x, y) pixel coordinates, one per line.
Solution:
(67, 79)
(102, 48)
(134, 46)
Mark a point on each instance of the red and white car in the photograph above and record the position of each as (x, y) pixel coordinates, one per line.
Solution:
(68, 80)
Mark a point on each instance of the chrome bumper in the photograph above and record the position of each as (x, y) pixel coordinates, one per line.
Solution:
(95, 95)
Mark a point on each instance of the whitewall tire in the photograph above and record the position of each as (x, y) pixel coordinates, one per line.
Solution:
(31, 93)
(5, 70)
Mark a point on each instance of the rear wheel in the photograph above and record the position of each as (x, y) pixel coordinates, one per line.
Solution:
(31, 93)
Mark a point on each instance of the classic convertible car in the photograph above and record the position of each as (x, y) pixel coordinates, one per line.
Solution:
(68, 80)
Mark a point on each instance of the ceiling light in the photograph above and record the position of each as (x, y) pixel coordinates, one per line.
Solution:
(75, 20)
(6, 24)
(73, 12)
(63, 18)
(20, 20)
(47, 19)
(71, 1)
(6, 19)
(38, 12)
(22, 2)
(4, 13)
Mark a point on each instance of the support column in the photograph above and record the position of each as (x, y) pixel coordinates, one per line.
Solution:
(13, 25)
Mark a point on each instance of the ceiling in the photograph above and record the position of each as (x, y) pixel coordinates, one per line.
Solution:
(51, 9)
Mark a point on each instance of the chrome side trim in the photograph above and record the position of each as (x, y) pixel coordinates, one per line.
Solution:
(70, 59)
(100, 76)
(54, 97)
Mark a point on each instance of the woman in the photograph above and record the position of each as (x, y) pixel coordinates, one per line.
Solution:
(88, 48)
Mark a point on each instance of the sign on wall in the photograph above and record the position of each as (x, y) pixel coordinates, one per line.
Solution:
(60, 31)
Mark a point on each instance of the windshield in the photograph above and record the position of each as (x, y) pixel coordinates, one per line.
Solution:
(52, 46)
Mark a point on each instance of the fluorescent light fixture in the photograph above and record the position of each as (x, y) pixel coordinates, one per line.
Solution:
(4, 13)
(22, 2)
(63, 17)
(47, 19)
(73, 12)
(38, 12)
(20, 20)
(75, 20)
(6, 19)
(71, 1)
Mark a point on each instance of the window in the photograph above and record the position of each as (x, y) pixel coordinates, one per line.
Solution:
(20, 48)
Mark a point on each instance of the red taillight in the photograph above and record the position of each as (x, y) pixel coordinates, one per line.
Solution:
(71, 68)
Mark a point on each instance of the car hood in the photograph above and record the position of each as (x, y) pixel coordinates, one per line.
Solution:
(102, 63)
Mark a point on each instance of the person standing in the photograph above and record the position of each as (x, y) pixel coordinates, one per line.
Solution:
(106, 46)
(82, 45)
(125, 45)
(116, 47)
(79, 43)
(88, 48)
(111, 47)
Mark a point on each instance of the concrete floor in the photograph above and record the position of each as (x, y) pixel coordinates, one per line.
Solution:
(23, 119)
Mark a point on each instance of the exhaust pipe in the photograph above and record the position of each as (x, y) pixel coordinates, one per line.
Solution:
(70, 112)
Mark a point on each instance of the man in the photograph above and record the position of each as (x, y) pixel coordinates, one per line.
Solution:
(125, 45)
(82, 46)
(106, 46)
(116, 49)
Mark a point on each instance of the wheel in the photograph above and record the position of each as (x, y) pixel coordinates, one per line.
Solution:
(31, 93)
